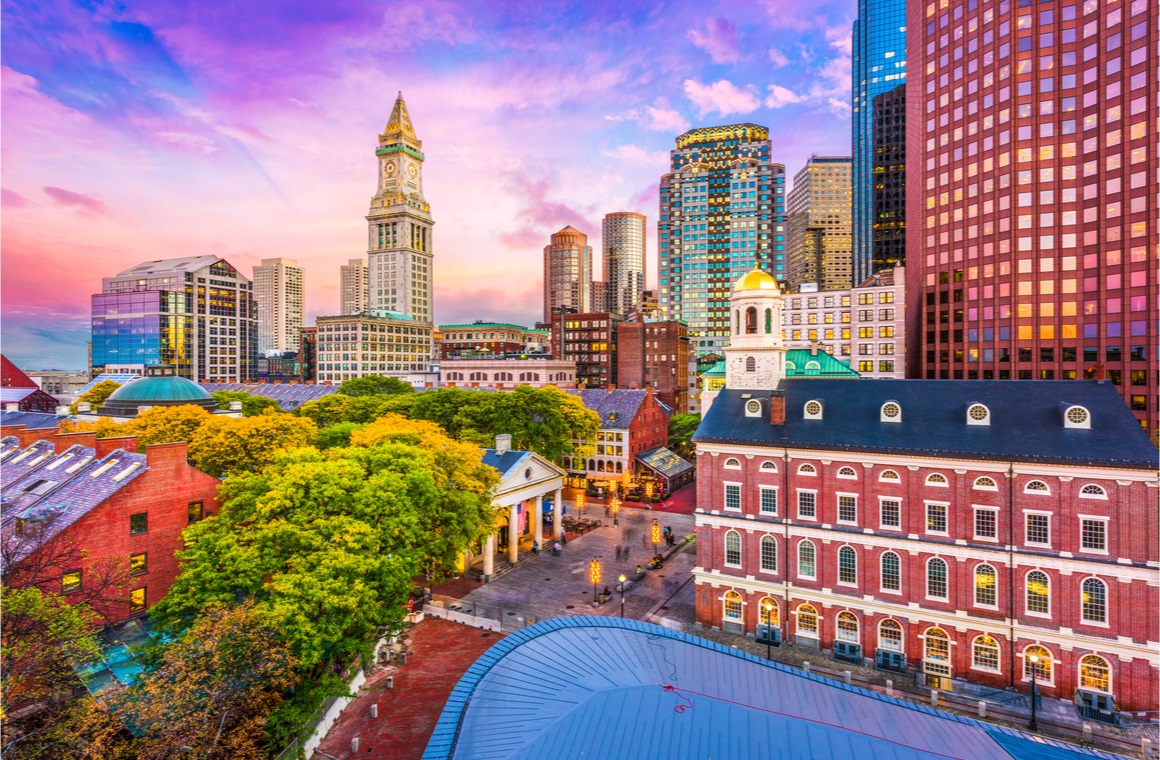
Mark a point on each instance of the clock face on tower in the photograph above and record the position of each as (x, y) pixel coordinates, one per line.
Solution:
(389, 169)
(412, 170)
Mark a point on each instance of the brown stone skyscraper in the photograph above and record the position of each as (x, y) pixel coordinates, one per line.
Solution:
(567, 273)
(624, 260)
(819, 215)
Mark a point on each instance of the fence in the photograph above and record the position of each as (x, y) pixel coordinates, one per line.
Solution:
(486, 617)
(324, 719)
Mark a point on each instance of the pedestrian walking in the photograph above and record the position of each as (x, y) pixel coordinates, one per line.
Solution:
(618, 553)
(644, 541)
(564, 538)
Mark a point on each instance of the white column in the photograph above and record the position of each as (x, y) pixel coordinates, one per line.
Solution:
(558, 514)
(513, 533)
(537, 520)
(489, 555)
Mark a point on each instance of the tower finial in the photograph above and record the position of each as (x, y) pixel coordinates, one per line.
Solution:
(400, 95)
(399, 125)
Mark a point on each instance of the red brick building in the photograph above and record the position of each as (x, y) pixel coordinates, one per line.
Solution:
(94, 507)
(655, 355)
(631, 422)
(589, 340)
(18, 392)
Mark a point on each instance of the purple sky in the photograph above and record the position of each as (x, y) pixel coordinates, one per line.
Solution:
(148, 130)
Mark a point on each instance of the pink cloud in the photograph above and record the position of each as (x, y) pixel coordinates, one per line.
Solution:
(69, 198)
(719, 40)
(778, 58)
(781, 96)
(12, 199)
(722, 97)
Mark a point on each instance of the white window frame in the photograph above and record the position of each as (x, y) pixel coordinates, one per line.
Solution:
(998, 655)
(1101, 496)
(976, 487)
(946, 580)
(838, 636)
(1028, 513)
(838, 563)
(768, 466)
(812, 472)
(946, 482)
(975, 510)
(946, 507)
(1094, 518)
(761, 553)
(725, 549)
(881, 587)
(838, 507)
(761, 510)
(901, 639)
(1107, 602)
(1039, 678)
(726, 485)
(1079, 673)
(975, 587)
(896, 479)
(882, 525)
(1026, 608)
(1046, 491)
(852, 476)
(816, 633)
(798, 560)
(813, 491)
(735, 466)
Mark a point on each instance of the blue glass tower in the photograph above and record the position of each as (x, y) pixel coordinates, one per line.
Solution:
(879, 65)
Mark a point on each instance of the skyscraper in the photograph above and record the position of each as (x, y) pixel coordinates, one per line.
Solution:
(818, 214)
(567, 273)
(624, 260)
(278, 293)
(354, 286)
(721, 215)
(889, 171)
(1031, 202)
(879, 64)
(399, 246)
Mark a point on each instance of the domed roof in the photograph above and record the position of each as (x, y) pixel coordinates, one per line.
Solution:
(756, 280)
(160, 389)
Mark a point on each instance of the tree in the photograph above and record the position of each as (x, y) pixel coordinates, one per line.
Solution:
(546, 420)
(223, 446)
(374, 385)
(159, 424)
(326, 411)
(337, 435)
(96, 395)
(252, 405)
(681, 429)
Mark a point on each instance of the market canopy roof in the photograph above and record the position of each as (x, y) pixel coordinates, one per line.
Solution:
(663, 462)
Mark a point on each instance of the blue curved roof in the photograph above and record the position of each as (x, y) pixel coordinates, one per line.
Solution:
(160, 388)
(600, 687)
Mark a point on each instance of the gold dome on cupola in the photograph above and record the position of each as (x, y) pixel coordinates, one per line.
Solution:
(756, 280)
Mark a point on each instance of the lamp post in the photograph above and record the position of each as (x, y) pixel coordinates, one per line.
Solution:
(622, 579)
(580, 504)
(655, 535)
(648, 491)
(614, 508)
(594, 576)
(1034, 658)
(767, 608)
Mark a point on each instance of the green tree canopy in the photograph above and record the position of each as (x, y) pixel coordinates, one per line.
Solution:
(96, 395)
(326, 411)
(374, 385)
(681, 429)
(252, 405)
(223, 446)
(337, 435)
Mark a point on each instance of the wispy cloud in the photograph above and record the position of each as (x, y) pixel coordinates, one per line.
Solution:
(77, 200)
(718, 39)
(722, 97)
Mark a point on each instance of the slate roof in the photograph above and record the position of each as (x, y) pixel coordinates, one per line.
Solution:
(505, 462)
(1026, 420)
(288, 396)
(663, 461)
(604, 687)
(31, 420)
(617, 408)
(59, 488)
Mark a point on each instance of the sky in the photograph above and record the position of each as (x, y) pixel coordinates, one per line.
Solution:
(134, 131)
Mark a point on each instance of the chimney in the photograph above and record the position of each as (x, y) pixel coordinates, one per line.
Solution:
(1101, 372)
(503, 443)
(166, 454)
(813, 348)
(777, 407)
(64, 440)
(106, 446)
(12, 407)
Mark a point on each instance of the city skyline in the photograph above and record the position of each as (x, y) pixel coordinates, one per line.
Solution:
(209, 136)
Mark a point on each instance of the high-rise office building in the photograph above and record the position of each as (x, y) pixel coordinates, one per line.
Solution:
(722, 210)
(889, 170)
(818, 215)
(1031, 194)
(195, 313)
(399, 246)
(879, 65)
(567, 273)
(278, 293)
(624, 260)
(354, 286)
(600, 296)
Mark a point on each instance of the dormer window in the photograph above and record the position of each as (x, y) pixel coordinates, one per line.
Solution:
(1076, 417)
(891, 412)
(813, 410)
(978, 414)
(812, 365)
(752, 408)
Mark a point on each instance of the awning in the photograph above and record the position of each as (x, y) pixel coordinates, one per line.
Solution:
(663, 462)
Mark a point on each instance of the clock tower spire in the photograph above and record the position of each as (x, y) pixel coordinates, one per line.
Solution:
(399, 246)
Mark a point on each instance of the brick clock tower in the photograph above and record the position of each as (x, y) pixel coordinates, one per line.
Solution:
(399, 243)
(755, 356)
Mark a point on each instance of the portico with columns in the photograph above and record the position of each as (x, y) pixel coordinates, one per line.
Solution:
(526, 481)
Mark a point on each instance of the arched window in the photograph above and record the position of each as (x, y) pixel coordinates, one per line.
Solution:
(847, 627)
(1041, 664)
(985, 654)
(1094, 601)
(936, 578)
(986, 585)
(847, 473)
(1037, 487)
(768, 321)
(1095, 673)
(751, 321)
(769, 554)
(889, 476)
(985, 484)
(769, 613)
(732, 549)
(567, 463)
(847, 566)
(807, 620)
(890, 635)
(807, 559)
(891, 572)
(619, 467)
(750, 364)
(1077, 417)
(732, 464)
(936, 652)
(591, 465)
(768, 466)
(937, 479)
(1092, 491)
(1038, 593)
(812, 365)
(736, 321)
(600, 466)
(807, 469)
(732, 608)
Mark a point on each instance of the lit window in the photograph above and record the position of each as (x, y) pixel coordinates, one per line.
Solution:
(936, 519)
(807, 620)
(1038, 593)
(70, 581)
(136, 600)
(985, 484)
(985, 654)
(1038, 660)
(937, 479)
(138, 564)
(1094, 601)
(936, 652)
(732, 606)
(889, 475)
(1094, 673)
(985, 586)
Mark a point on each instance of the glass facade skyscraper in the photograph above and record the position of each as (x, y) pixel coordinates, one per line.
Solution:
(879, 63)
(722, 213)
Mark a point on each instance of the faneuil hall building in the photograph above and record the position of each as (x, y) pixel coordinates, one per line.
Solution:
(948, 530)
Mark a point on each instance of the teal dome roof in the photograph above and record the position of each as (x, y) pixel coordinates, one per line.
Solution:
(152, 390)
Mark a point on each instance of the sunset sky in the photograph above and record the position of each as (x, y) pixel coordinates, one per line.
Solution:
(147, 130)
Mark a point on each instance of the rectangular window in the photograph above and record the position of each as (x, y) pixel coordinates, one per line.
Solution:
(986, 524)
(936, 519)
(848, 509)
(768, 500)
(70, 581)
(1039, 530)
(807, 505)
(136, 600)
(891, 513)
(733, 497)
(138, 523)
(194, 512)
(1093, 535)
(138, 564)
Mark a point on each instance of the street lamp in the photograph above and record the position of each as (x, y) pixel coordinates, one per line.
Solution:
(580, 504)
(1034, 658)
(767, 608)
(648, 490)
(655, 535)
(622, 579)
(594, 575)
(614, 508)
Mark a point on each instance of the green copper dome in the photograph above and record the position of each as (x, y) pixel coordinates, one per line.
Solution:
(160, 387)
